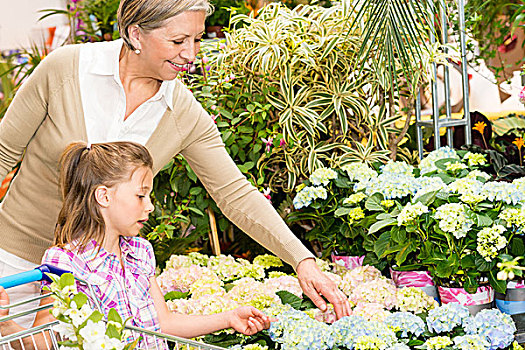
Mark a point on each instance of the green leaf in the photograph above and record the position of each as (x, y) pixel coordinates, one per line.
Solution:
(114, 316)
(173, 295)
(442, 163)
(80, 299)
(373, 202)
(427, 198)
(112, 331)
(381, 224)
(66, 280)
(483, 220)
(96, 316)
(290, 299)
(342, 211)
(517, 247)
(482, 265)
(498, 285)
(382, 244)
(404, 251)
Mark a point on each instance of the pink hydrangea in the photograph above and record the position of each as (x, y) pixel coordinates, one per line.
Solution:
(381, 291)
(371, 311)
(287, 283)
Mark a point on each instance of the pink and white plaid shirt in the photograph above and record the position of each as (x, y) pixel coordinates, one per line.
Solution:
(124, 289)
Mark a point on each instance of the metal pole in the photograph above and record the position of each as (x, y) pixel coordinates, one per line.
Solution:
(444, 38)
(435, 107)
(419, 131)
(464, 74)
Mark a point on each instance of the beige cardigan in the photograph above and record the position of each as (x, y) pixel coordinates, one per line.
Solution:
(46, 115)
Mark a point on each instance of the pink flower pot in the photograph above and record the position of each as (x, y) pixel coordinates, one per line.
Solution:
(419, 279)
(481, 299)
(350, 262)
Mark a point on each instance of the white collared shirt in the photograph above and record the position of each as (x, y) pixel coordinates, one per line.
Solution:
(104, 100)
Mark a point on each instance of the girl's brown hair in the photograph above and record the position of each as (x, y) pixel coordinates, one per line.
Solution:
(84, 169)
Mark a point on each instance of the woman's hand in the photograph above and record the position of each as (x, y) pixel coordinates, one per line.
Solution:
(314, 284)
(4, 300)
(248, 320)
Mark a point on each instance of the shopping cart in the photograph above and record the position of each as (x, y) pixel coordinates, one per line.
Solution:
(46, 337)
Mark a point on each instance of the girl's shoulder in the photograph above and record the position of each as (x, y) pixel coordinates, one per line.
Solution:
(141, 247)
(63, 258)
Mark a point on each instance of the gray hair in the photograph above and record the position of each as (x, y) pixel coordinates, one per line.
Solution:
(151, 14)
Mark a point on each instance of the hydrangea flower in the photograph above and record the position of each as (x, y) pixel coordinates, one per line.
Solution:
(322, 176)
(513, 217)
(398, 346)
(377, 291)
(371, 311)
(428, 165)
(349, 328)
(493, 324)
(439, 342)
(453, 219)
(471, 198)
(504, 192)
(266, 261)
(247, 291)
(287, 283)
(427, 184)
(455, 166)
(465, 186)
(407, 323)
(474, 174)
(389, 185)
(308, 194)
(413, 299)
(354, 198)
(471, 342)
(361, 274)
(401, 168)
(355, 214)
(359, 171)
(410, 213)
(387, 203)
(474, 159)
(206, 286)
(490, 240)
(366, 342)
(445, 318)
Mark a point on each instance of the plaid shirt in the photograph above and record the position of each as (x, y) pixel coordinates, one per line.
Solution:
(124, 289)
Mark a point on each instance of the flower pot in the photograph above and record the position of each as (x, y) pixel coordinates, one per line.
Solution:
(513, 301)
(419, 279)
(350, 262)
(476, 302)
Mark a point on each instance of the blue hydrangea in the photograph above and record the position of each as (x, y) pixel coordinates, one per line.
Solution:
(406, 323)
(308, 194)
(296, 330)
(428, 165)
(348, 329)
(504, 192)
(498, 327)
(445, 318)
(398, 346)
(389, 185)
(471, 342)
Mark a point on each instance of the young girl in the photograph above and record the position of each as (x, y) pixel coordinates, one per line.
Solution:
(106, 199)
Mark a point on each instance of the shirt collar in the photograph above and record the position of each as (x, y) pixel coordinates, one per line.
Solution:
(95, 257)
(106, 62)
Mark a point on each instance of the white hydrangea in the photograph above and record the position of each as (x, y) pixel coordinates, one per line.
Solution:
(410, 213)
(308, 194)
(474, 174)
(359, 171)
(472, 198)
(474, 159)
(389, 185)
(322, 176)
(354, 198)
(513, 216)
(453, 219)
(490, 241)
(428, 165)
(427, 184)
(504, 192)
(465, 186)
(397, 168)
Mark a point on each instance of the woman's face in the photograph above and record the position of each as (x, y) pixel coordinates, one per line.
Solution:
(166, 50)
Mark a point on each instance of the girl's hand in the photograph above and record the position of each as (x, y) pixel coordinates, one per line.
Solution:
(248, 320)
(4, 300)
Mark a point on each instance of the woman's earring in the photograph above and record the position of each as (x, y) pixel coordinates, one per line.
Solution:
(137, 51)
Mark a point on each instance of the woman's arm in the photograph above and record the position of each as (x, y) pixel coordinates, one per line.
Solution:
(10, 327)
(247, 320)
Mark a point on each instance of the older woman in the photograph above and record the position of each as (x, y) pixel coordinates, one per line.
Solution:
(126, 90)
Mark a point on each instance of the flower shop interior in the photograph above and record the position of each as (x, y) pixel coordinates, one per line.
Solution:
(389, 137)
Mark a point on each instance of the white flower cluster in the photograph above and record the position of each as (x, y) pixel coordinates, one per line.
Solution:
(474, 174)
(359, 171)
(354, 198)
(427, 184)
(410, 213)
(465, 186)
(427, 165)
(401, 168)
(474, 159)
(504, 192)
(455, 166)
(308, 194)
(389, 185)
(453, 219)
(322, 176)
(513, 217)
(490, 240)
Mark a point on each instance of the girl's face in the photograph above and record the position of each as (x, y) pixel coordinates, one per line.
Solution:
(129, 204)
(166, 50)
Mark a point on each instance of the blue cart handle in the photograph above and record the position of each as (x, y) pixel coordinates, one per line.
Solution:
(37, 274)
